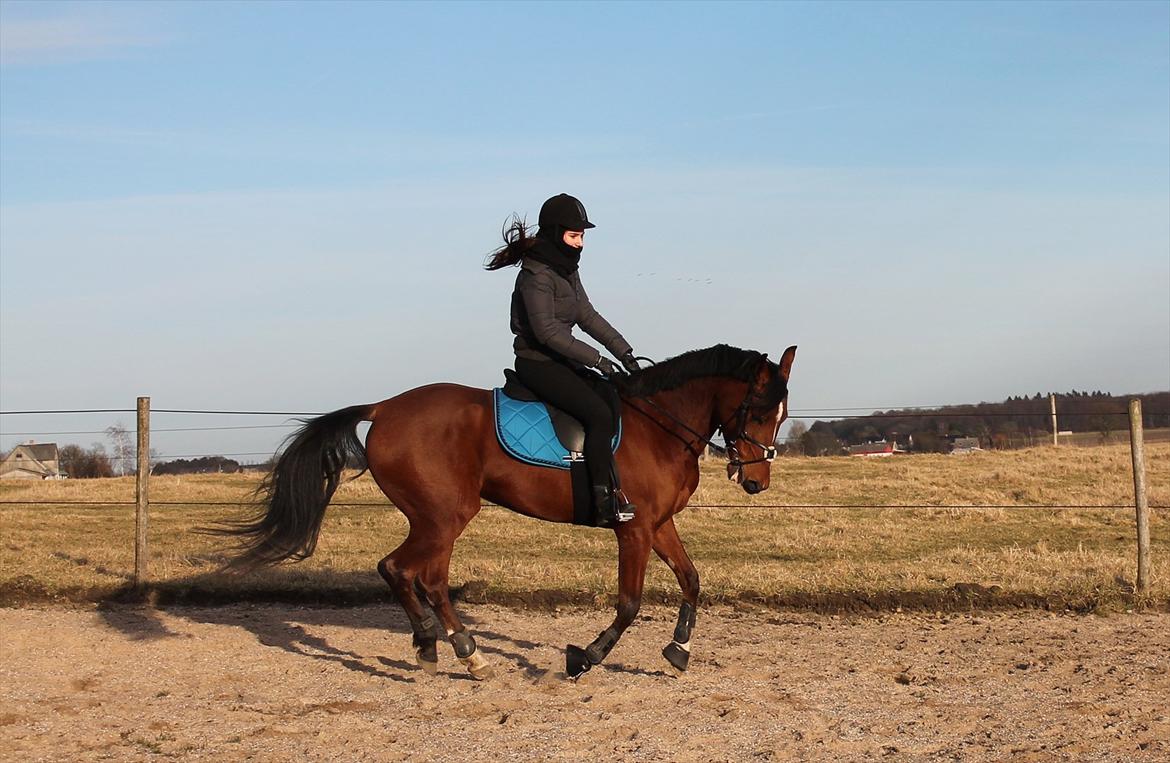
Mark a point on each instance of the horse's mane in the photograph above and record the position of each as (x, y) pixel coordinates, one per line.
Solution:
(720, 360)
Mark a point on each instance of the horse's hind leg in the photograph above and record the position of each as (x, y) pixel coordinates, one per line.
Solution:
(669, 547)
(400, 569)
(424, 559)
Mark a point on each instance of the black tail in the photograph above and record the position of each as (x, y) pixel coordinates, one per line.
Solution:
(293, 497)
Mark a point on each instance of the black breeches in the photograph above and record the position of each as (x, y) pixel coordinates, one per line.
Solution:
(560, 386)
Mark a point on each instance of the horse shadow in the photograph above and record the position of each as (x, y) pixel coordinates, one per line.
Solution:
(294, 624)
(280, 618)
(297, 632)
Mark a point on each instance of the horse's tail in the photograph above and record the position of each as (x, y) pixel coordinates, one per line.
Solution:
(293, 497)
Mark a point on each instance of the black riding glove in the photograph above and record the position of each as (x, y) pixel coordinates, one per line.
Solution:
(607, 367)
(630, 362)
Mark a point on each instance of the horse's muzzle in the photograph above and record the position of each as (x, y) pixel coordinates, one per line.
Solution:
(752, 487)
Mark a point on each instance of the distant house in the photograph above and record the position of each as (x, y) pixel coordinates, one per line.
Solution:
(31, 461)
(964, 445)
(877, 449)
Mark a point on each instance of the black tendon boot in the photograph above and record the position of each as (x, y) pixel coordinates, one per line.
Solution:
(610, 508)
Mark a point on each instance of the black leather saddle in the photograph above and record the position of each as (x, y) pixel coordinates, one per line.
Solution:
(569, 430)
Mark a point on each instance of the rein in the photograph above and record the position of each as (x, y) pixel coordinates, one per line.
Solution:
(739, 416)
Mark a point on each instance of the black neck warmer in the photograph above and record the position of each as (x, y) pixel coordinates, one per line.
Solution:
(554, 252)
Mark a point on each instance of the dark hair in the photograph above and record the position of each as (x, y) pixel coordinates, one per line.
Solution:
(517, 241)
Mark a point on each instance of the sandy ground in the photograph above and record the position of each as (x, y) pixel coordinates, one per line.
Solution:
(275, 683)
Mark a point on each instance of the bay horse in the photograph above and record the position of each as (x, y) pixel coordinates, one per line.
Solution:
(433, 451)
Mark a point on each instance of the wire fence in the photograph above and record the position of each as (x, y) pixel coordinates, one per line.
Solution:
(800, 414)
(805, 413)
(142, 456)
(835, 413)
(753, 506)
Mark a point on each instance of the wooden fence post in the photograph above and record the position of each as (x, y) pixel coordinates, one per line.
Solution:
(1139, 491)
(142, 492)
(1055, 429)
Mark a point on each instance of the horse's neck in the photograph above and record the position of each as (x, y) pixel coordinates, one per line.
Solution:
(693, 404)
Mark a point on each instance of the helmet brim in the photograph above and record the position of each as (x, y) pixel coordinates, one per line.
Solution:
(579, 226)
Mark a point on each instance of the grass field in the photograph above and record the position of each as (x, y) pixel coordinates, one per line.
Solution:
(821, 558)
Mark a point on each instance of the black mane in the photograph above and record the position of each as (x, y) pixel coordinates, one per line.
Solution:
(720, 360)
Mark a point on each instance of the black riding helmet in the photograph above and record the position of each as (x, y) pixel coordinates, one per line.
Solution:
(559, 214)
(563, 212)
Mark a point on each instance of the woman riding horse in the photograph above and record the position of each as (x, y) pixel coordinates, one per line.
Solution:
(434, 453)
(547, 303)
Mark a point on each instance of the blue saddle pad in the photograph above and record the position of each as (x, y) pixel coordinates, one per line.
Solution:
(525, 431)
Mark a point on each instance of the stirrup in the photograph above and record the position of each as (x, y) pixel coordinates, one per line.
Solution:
(623, 509)
(616, 517)
(616, 508)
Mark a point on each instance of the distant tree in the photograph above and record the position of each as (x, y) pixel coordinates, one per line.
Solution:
(928, 442)
(1103, 427)
(122, 447)
(82, 463)
(1019, 421)
(202, 465)
(820, 440)
(794, 444)
(69, 457)
(869, 433)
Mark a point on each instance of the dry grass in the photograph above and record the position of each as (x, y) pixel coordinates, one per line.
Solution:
(934, 558)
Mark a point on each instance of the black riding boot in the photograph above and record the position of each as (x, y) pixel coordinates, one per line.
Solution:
(610, 508)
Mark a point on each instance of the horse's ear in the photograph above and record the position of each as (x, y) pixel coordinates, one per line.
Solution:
(786, 362)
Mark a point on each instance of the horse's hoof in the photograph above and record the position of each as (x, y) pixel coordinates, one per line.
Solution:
(430, 667)
(678, 655)
(577, 663)
(478, 667)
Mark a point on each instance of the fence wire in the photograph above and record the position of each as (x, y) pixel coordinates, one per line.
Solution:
(386, 504)
(805, 413)
(796, 414)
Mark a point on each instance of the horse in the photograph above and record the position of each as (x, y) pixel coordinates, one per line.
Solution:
(433, 451)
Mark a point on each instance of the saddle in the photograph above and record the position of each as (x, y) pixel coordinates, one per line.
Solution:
(540, 434)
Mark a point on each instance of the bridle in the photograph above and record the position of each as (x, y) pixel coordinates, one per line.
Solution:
(740, 416)
(739, 429)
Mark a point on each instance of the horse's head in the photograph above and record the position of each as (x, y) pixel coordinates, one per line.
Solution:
(750, 426)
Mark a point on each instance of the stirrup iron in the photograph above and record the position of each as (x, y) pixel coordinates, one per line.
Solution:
(623, 509)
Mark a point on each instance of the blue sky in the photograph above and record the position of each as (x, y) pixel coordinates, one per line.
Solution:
(285, 206)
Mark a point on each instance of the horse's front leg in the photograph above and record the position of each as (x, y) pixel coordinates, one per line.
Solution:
(669, 547)
(633, 552)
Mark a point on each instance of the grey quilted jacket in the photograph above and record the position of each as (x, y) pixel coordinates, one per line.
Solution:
(546, 306)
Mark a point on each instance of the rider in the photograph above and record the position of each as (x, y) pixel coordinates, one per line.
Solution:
(547, 302)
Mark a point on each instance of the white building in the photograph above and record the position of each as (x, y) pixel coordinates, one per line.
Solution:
(31, 461)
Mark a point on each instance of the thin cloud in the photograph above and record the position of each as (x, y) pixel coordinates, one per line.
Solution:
(78, 35)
